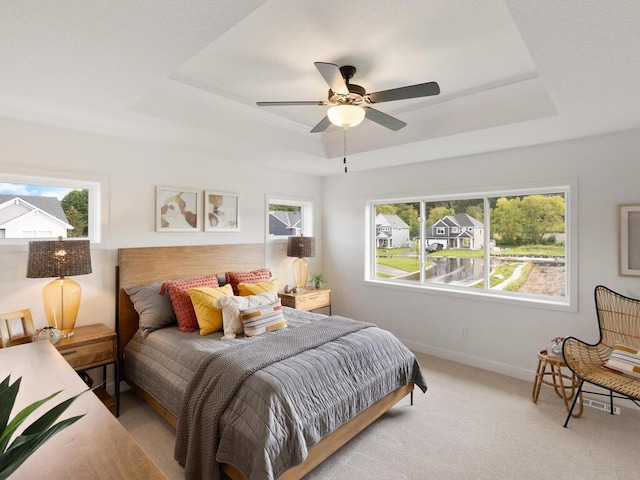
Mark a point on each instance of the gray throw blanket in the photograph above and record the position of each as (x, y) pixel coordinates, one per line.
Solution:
(220, 375)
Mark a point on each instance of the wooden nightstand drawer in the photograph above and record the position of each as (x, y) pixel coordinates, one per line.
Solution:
(307, 300)
(93, 346)
(86, 356)
(314, 300)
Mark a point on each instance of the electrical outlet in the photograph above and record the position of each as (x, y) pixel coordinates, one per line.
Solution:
(464, 332)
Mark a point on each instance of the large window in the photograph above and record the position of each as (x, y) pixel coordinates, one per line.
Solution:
(508, 244)
(45, 208)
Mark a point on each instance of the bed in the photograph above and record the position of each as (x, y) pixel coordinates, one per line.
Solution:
(143, 364)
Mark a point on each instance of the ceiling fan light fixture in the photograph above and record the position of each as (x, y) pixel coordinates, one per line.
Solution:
(346, 116)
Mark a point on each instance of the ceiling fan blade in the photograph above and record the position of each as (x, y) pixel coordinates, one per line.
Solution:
(412, 91)
(281, 104)
(322, 126)
(331, 74)
(383, 119)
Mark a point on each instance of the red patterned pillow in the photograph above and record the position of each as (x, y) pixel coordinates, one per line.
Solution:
(249, 276)
(178, 291)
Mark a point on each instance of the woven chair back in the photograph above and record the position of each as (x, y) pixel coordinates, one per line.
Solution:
(618, 317)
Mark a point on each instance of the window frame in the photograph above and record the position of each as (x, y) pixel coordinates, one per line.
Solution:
(96, 185)
(306, 206)
(567, 303)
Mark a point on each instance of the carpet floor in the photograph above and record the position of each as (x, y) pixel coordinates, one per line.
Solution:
(471, 424)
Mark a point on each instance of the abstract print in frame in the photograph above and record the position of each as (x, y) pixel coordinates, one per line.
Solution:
(629, 240)
(221, 212)
(178, 209)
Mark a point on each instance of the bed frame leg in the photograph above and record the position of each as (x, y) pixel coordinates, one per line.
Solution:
(411, 394)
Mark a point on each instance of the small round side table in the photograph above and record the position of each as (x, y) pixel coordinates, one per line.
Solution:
(565, 385)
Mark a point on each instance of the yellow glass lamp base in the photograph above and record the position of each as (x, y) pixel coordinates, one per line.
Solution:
(300, 272)
(61, 302)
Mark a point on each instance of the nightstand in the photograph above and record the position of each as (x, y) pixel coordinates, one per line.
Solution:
(307, 299)
(93, 346)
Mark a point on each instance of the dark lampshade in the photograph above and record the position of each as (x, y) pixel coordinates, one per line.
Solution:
(62, 259)
(301, 247)
(59, 258)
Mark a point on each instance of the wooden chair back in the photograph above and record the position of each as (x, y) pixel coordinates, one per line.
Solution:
(618, 318)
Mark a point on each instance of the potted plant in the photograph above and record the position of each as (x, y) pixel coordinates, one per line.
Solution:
(317, 279)
(13, 455)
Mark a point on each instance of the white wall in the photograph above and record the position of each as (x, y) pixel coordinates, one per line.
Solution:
(132, 170)
(501, 337)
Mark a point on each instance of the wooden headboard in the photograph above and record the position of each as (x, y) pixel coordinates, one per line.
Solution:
(140, 266)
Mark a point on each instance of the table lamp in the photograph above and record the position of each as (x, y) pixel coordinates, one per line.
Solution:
(61, 297)
(301, 247)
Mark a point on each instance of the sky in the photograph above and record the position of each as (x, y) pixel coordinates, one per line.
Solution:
(36, 190)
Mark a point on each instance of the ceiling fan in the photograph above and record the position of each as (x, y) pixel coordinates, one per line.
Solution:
(350, 103)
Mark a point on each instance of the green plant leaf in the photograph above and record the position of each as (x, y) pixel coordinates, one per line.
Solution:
(8, 394)
(16, 455)
(46, 420)
(34, 435)
(21, 417)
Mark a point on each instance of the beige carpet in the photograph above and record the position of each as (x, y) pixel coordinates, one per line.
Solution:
(471, 424)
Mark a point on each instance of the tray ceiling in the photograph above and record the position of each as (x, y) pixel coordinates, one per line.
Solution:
(511, 73)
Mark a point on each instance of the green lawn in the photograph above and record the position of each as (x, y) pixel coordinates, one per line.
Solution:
(501, 273)
(393, 257)
(408, 264)
(551, 250)
(394, 251)
(458, 253)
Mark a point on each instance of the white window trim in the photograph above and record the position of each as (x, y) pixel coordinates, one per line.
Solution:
(98, 186)
(569, 303)
(307, 214)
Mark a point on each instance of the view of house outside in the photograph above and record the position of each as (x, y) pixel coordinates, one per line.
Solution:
(526, 248)
(43, 211)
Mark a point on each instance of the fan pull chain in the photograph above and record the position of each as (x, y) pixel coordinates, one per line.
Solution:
(344, 159)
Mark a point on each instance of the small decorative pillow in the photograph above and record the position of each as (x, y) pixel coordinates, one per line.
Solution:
(259, 320)
(181, 302)
(154, 310)
(250, 276)
(209, 317)
(246, 289)
(624, 359)
(231, 307)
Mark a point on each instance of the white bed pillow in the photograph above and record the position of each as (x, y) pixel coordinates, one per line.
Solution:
(231, 306)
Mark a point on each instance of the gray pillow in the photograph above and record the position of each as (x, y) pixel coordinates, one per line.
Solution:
(154, 310)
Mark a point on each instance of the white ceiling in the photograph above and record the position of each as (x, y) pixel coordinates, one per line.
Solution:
(188, 73)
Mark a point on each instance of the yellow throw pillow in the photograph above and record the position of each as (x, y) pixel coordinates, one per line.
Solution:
(203, 299)
(246, 289)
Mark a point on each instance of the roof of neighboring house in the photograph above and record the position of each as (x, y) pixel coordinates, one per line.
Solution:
(390, 219)
(288, 219)
(50, 205)
(459, 220)
(465, 220)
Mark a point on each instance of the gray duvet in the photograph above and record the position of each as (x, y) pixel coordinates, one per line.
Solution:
(287, 406)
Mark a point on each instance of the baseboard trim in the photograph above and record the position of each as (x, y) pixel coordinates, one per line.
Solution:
(497, 367)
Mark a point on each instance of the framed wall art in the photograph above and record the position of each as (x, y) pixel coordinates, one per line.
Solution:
(178, 209)
(221, 212)
(16, 328)
(629, 240)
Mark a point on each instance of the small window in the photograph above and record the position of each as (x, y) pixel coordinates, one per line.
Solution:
(48, 208)
(287, 217)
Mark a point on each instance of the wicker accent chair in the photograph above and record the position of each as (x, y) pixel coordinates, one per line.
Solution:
(618, 321)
